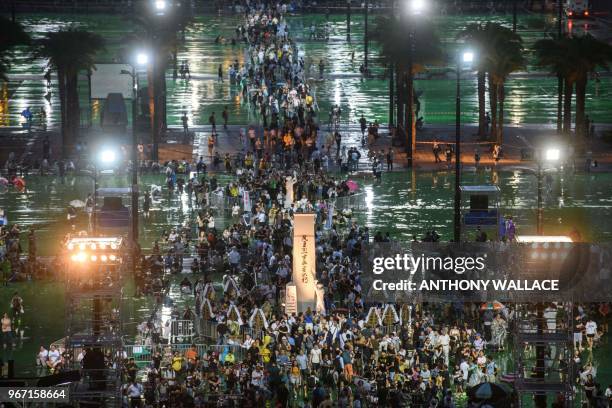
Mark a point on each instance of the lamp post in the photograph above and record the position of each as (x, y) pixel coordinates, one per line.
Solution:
(348, 20)
(142, 59)
(413, 9)
(550, 155)
(466, 58)
(365, 36)
(106, 158)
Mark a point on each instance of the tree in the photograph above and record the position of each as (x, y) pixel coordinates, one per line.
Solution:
(504, 54)
(574, 59)
(554, 55)
(158, 32)
(424, 49)
(11, 35)
(70, 51)
(476, 36)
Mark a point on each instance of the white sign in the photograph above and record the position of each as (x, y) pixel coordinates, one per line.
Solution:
(291, 305)
(107, 78)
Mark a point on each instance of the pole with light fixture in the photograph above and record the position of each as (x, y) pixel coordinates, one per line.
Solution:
(413, 8)
(466, 57)
(106, 157)
(549, 155)
(142, 59)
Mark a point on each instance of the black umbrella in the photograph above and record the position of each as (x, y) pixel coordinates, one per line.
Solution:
(488, 392)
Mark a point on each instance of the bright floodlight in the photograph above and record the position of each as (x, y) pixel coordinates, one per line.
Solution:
(160, 5)
(142, 58)
(417, 6)
(468, 57)
(552, 154)
(107, 156)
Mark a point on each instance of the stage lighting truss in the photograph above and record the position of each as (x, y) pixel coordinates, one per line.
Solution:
(103, 251)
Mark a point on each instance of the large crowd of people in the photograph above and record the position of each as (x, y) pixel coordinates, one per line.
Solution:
(231, 263)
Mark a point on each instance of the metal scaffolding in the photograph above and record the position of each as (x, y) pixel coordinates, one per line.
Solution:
(543, 341)
(93, 345)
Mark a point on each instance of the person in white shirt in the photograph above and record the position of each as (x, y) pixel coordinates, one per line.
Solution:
(134, 392)
(465, 370)
(315, 357)
(444, 341)
(54, 357)
(43, 355)
(257, 377)
(591, 330)
(248, 342)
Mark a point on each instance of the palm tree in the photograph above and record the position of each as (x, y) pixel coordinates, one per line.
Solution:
(425, 49)
(554, 54)
(589, 54)
(504, 55)
(476, 35)
(70, 51)
(160, 34)
(11, 35)
(574, 59)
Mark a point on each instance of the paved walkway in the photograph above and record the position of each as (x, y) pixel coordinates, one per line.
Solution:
(515, 139)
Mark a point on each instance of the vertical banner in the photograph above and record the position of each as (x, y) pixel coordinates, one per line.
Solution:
(304, 260)
(291, 306)
(246, 201)
(329, 222)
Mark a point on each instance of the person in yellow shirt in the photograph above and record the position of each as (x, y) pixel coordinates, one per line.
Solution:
(265, 354)
(287, 141)
(229, 358)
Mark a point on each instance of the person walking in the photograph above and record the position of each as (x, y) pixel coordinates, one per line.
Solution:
(225, 116)
(390, 155)
(185, 121)
(213, 122)
(435, 148)
(220, 73)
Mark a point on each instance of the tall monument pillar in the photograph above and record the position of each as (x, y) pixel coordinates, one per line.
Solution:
(304, 261)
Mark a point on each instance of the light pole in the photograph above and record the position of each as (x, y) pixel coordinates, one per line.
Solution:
(348, 20)
(466, 58)
(559, 77)
(549, 155)
(105, 158)
(413, 9)
(365, 36)
(142, 59)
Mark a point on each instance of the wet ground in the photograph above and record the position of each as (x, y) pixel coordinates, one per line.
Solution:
(530, 98)
(404, 204)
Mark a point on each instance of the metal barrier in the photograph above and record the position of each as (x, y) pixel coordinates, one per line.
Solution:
(208, 330)
(143, 354)
(181, 330)
(355, 202)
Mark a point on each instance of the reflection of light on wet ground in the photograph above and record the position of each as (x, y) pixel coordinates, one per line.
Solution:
(369, 200)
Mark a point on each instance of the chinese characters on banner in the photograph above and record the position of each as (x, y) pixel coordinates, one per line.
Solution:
(304, 261)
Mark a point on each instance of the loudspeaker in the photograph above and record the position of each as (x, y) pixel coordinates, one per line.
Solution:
(479, 202)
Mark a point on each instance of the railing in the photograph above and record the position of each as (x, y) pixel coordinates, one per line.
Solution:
(181, 330)
(355, 202)
(143, 354)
